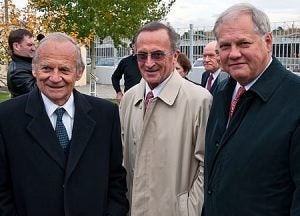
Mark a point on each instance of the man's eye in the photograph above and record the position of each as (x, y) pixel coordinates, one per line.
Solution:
(245, 44)
(142, 55)
(45, 68)
(157, 55)
(224, 46)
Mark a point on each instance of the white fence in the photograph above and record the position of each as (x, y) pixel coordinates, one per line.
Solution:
(286, 45)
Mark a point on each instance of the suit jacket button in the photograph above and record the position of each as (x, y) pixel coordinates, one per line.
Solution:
(209, 192)
(217, 145)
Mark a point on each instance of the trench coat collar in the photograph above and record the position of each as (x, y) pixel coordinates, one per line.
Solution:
(169, 92)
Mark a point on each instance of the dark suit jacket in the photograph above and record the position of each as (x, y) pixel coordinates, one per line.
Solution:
(36, 179)
(253, 167)
(222, 76)
(128, 67)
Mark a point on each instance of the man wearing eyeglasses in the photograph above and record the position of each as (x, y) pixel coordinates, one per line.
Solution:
(163, 120)
(213, 74)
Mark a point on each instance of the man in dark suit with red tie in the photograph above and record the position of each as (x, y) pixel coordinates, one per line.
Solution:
(252, 144)
(213, 74)
(60, 150)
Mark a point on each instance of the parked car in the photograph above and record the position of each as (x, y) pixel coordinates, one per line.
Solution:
(197, 70)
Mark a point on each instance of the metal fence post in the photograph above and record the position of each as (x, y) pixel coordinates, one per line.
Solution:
(191, 43)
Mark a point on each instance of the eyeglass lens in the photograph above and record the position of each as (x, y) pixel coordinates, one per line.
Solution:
(157, 56)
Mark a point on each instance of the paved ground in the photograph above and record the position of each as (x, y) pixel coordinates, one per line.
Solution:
(103, 91)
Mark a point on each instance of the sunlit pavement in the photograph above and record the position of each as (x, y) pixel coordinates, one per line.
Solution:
(103, 91)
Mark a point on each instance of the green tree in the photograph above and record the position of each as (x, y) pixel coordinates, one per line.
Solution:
(87, 18)
(13, 18)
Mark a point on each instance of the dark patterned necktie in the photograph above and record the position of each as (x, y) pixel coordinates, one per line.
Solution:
(61, 131)
(209, 81)
(149, 96)
(236, 99)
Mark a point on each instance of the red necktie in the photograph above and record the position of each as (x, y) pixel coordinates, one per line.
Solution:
(209, 81)
(149, 96)
(236, 99)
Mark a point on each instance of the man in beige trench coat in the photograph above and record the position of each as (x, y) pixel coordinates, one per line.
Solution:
(163, 142)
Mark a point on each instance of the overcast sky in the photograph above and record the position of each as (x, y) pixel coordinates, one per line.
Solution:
(202, 13)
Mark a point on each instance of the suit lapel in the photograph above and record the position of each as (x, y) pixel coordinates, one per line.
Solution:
(82, 130)
(214, 85)
(41, 129)
(204, 78)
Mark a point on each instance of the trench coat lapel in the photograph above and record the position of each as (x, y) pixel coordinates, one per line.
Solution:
(82, 130)
(41, 129)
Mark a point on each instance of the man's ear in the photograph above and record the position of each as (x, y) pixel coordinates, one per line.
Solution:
(175, 55)
(79, 73)
(16, 46)
(33, 70)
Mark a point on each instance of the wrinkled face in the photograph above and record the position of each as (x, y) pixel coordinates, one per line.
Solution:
(180, 69)
(26, 48)
(244, 53)
(211, 58)
(155, 68)
(56, 71)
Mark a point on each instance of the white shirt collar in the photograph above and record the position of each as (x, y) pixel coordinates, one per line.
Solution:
(51, 107)
(157, 90)
(216, 74)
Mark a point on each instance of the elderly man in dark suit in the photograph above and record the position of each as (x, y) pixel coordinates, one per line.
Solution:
(213, 74)
(60, 151)
(252, 162)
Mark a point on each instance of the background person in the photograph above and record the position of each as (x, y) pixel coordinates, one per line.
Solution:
(40, 37)
(213, 74)
(163, 137)
(252, 163)
(129, 68)
(52, 164)
(19, 76)
(183, 65)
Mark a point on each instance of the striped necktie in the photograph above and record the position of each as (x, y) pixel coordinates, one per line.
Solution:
(239, 93)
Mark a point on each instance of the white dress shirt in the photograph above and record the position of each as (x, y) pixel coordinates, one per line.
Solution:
(68, 117)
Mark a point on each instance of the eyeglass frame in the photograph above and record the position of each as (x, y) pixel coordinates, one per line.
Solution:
(143, 56)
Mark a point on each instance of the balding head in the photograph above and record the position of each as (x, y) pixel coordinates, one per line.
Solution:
(211, 60)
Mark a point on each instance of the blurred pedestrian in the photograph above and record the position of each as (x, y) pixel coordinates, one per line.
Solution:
(213, 74)
(128, 67)
(19, 76)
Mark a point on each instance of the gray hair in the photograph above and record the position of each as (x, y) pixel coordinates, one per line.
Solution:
(154, 26)
(260, 19)
(60, 37)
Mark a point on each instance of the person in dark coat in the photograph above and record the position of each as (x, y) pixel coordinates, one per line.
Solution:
(19, 75)
(60, 165)
(127, 67)
(213, 74)
(252, 163)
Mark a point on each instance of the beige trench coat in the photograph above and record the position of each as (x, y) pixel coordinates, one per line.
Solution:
(164, 150)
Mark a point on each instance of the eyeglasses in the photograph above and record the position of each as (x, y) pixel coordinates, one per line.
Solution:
(155, 56)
